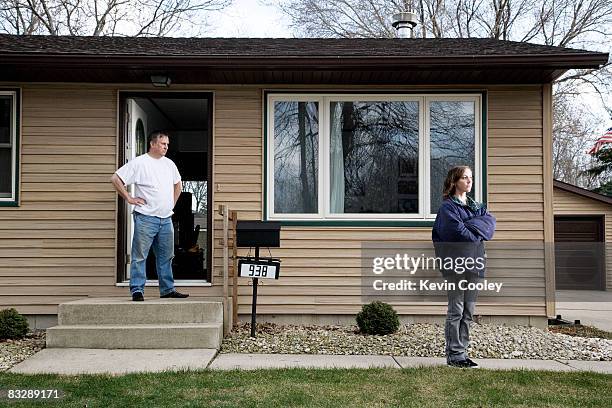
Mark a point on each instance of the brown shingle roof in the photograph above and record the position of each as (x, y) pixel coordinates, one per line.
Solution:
(286, 60)
(276, 47)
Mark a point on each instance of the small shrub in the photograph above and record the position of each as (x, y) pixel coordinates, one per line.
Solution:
(377, 318)
(12, 324)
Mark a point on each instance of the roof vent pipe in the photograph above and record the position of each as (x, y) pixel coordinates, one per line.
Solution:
(404, 22)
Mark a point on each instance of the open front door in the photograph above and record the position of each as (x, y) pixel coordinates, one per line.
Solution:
(136, 144)
(187, 118)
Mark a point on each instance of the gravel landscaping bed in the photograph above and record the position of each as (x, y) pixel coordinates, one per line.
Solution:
(416, 340)
(13, 352)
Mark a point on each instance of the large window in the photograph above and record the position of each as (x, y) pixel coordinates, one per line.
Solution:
(367, 157)
(8, 146)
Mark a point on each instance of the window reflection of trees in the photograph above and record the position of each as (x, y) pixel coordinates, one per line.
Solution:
(6, 150)
(199, 192)
(452, 134)
(296, 150)
(379, 154)
(5, 120)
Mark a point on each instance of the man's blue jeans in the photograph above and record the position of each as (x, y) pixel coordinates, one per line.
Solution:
(157, 234)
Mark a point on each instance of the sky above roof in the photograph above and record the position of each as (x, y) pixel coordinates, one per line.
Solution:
(249, 18)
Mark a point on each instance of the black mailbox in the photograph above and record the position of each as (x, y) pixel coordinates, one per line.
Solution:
(258, 234)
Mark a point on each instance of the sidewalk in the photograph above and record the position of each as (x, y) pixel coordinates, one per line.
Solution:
(117, 362)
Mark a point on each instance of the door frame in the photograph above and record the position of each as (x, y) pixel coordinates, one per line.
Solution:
(121, 208)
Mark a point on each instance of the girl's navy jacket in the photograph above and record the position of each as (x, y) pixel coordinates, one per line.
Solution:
(460, 231)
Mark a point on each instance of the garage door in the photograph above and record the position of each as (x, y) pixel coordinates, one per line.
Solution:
(579, 253)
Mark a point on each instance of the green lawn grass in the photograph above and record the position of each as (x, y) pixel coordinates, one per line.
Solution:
(423, 387)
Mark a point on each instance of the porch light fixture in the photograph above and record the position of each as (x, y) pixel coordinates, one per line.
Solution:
(160, 81)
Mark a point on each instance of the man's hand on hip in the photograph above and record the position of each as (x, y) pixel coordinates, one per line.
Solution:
(136, 201)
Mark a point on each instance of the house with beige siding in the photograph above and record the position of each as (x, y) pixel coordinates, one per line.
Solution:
(344, 141)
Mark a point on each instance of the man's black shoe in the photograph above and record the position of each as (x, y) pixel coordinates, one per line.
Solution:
(137, 297)
(175, 294)
(460, 364)
(472, 363)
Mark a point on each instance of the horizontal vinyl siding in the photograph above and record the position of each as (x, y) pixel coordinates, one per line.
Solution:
(515, 165)
(321, 266)
(59, 244)
(566, 203)
(515, 187)
(237, 166)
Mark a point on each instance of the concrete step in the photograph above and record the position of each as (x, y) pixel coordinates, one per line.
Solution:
(137, 336)
(122, 311)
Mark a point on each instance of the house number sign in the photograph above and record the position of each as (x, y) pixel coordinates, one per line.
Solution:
(258, 268)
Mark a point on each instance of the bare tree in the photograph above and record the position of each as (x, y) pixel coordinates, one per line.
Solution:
(573, 129)
(552, 22)
(154, 18)
(199, 190)
(563, 23)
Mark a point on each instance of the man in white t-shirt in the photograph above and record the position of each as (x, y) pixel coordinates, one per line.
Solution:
(157, 186)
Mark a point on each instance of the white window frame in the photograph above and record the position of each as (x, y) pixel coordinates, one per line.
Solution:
(12, 145)
(324, 100)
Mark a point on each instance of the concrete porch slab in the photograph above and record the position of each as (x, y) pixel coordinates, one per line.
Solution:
(258, 361)
(72, 361)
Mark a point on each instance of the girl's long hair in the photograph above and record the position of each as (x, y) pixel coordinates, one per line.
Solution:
(453, 177)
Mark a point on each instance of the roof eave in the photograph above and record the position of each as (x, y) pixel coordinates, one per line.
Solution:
(560, 61)
(582, 192)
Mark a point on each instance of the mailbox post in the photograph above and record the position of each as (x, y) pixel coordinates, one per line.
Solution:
(257, 234)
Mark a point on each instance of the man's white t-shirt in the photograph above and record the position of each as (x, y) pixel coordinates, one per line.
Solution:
(154, 181)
